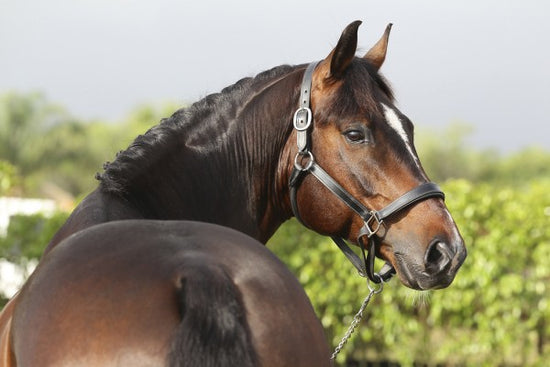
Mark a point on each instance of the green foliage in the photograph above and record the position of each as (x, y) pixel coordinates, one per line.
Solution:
(23, 119)
(28, 235)
(496, 312)
(53, 149)
(446, 155)
(10, 180)
(519, 168)
(26, 238)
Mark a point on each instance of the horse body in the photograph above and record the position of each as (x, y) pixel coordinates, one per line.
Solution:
(189, 183)
(121, 280)
(145, 309)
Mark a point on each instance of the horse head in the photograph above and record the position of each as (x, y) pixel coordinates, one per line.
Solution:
(365, 147)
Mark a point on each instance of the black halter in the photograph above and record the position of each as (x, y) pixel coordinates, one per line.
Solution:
(304, 163)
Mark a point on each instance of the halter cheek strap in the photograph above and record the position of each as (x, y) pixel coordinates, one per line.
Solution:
(304, 163)
(303, 117)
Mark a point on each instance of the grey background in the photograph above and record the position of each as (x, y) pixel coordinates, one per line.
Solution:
(482, 62)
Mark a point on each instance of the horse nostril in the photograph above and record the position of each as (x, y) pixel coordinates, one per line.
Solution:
(438, 256)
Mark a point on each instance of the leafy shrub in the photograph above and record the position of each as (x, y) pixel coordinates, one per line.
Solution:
(496, 312)
(9, 178)
(28, 236)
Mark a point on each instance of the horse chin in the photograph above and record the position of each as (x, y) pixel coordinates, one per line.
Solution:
(422, 282)
(413, 277)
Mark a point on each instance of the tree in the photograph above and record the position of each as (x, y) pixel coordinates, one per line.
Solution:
(446, 155)
(23, 120)
(56, 152)
(10, 180)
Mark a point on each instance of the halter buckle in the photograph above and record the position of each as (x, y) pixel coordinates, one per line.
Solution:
(372, 225)
(302, 118)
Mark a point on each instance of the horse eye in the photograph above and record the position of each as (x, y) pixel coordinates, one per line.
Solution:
(355, 136)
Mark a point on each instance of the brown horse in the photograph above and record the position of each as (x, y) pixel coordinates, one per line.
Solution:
(205, 296)
(130, 280)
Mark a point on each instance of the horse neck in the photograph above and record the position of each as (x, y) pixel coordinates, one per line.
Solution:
(226, 171)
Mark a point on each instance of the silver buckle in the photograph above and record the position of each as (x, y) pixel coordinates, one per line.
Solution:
(372, 220)
(302, 122)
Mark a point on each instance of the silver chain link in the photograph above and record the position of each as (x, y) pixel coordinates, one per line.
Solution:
(358, 316)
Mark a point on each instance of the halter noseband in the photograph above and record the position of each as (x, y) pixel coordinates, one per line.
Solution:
(372, 219)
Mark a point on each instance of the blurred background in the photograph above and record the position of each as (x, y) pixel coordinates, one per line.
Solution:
(80, 79)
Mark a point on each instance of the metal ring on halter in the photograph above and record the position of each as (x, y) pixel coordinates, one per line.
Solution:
(378, 287)
(299, 166)
(299, 123)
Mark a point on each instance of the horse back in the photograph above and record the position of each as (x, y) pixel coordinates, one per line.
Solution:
(164, 293)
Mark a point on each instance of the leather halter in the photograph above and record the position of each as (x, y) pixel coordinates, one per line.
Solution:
(372, 219)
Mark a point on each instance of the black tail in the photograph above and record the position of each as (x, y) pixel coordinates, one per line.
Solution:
(214, 330)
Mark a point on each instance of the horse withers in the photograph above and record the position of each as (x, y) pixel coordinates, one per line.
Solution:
(325, 142)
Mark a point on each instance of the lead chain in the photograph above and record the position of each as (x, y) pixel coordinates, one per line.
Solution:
(357, 318)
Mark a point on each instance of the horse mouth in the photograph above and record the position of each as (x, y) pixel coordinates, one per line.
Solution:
(418, 277)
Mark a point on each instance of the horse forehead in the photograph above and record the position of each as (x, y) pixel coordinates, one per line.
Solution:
(393, 120)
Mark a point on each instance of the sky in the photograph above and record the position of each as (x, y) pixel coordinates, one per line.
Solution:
(485, 63)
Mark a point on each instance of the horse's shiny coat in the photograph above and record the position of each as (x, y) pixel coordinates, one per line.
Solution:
(130, 315)
(114, 292)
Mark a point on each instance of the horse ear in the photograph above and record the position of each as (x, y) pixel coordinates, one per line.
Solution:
(377, 54)
(343, 53)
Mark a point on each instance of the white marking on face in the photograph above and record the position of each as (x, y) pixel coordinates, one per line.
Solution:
(396, 124)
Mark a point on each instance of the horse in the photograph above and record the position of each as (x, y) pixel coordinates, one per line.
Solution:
(206, 296)
(163, 263)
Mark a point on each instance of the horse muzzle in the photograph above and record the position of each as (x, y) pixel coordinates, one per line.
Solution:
(436, 270)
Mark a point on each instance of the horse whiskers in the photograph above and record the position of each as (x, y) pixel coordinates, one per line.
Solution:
(419, 299)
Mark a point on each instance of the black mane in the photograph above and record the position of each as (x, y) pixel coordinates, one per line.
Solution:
(209, 113)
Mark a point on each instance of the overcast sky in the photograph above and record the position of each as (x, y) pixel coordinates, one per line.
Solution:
(485, 63)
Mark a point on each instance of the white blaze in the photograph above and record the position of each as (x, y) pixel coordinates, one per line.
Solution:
(396, 124)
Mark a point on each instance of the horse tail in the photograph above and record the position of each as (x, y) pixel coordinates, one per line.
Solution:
(213, 330)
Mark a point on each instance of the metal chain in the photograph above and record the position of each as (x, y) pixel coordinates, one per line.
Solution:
(358, 316)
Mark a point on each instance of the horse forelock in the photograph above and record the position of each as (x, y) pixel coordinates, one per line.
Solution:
(360, 91)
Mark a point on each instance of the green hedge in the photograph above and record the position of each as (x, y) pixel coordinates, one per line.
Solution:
(28, 236)
(9, 178)
(496, 312)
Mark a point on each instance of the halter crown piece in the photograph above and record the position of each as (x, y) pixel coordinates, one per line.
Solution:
(304, 163)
